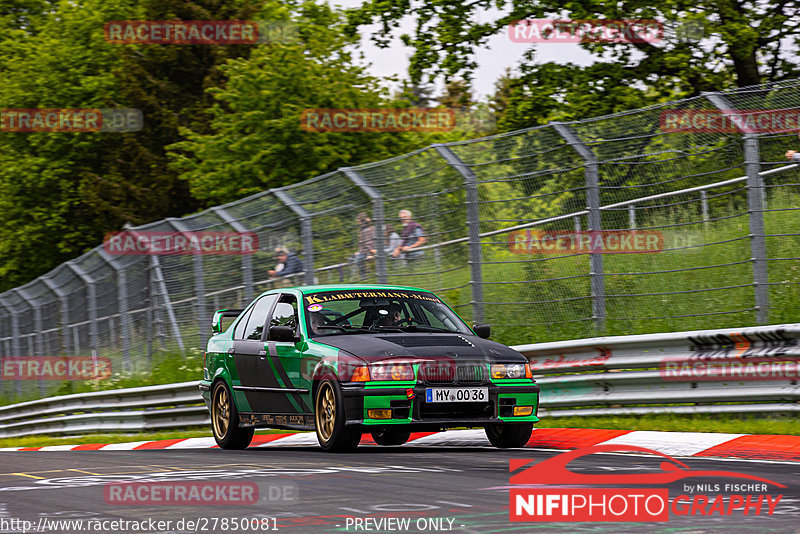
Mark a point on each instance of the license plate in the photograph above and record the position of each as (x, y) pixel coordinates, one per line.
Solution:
(457, 395)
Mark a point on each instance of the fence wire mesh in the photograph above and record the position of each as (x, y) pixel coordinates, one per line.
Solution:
(724, 203)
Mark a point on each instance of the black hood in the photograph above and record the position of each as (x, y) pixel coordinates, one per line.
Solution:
(379, 346)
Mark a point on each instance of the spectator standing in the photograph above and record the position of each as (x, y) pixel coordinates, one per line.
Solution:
(366, 241)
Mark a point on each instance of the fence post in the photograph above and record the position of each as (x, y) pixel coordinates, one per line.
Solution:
(593, 219)
(91, 297)
(37, 319)
(305, 229)
(122, 306)
(247, 259)
(755, 207)
(15, 347)
(37, 328)
(63, 305)
(158, 279)
(379, 218)
(473, 228)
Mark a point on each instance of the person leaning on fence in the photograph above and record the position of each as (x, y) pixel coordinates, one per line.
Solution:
(413, 236)
(366, 241)
(393, 241)
(288, 263)
(793, 155)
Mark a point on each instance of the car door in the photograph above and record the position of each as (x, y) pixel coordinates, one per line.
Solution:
(287, 357)
(256, 377)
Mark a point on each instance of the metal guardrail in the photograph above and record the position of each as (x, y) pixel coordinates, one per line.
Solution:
(141, 409)
(621, 375)
(631, 375)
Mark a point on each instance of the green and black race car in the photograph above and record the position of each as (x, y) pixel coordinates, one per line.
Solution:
(345, 360)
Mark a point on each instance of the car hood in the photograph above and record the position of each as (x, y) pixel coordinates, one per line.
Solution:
(434, 346)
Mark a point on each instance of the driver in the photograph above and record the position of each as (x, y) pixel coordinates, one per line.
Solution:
(317, 320)
(393, 317)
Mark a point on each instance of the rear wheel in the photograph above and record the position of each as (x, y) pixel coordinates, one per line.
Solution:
(225, 420)
(390, 437)
(509, 436)
(332, 434)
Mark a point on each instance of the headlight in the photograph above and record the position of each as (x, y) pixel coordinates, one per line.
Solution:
(510, 370)
(515, 371)
(401, 371)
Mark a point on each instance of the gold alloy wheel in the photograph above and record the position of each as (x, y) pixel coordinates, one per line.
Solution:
(222, 411)
(326, 411)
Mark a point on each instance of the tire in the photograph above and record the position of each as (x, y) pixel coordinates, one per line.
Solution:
(225, 420)
(509, 436)
(390, 437)
(329, 418)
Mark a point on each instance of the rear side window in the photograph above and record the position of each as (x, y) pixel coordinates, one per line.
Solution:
(255, 323)
(238, 333)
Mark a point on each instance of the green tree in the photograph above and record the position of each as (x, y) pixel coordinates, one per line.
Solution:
(707, 45)
(256, 141)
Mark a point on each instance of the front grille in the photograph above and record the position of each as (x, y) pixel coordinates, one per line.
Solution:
(471, 374)
(438, 373)
(450, 410)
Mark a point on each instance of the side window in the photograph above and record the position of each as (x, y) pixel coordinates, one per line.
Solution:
(285, 313)
(238, 333)
(255, 323)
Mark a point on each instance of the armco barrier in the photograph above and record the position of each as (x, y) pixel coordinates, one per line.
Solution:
(669, 373)
(161, 407)
(624, 375)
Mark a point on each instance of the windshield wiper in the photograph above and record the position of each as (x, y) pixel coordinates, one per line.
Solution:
(426, 328)
(331, 326)
(389, 328)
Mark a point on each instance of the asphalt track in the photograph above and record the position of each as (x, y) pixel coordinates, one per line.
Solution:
(305, 490)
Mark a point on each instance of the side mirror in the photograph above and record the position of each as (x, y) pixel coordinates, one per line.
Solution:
(282, 333)
(482, 330)
(216, 321)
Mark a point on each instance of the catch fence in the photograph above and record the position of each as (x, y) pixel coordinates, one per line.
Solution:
(724, 204)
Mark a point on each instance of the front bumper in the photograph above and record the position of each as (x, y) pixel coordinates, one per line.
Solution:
(416, 414)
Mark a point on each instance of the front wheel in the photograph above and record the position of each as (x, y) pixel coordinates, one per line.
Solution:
(332, 434)
(390, 437)
(225, 420)
(509, 436)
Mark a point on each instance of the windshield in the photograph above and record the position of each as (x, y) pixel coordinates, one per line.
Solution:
(364, 311)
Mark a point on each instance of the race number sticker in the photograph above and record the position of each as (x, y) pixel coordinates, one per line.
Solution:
(314, 307)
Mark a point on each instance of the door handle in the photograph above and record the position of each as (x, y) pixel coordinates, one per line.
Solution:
(231, 350)
(262, 353)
